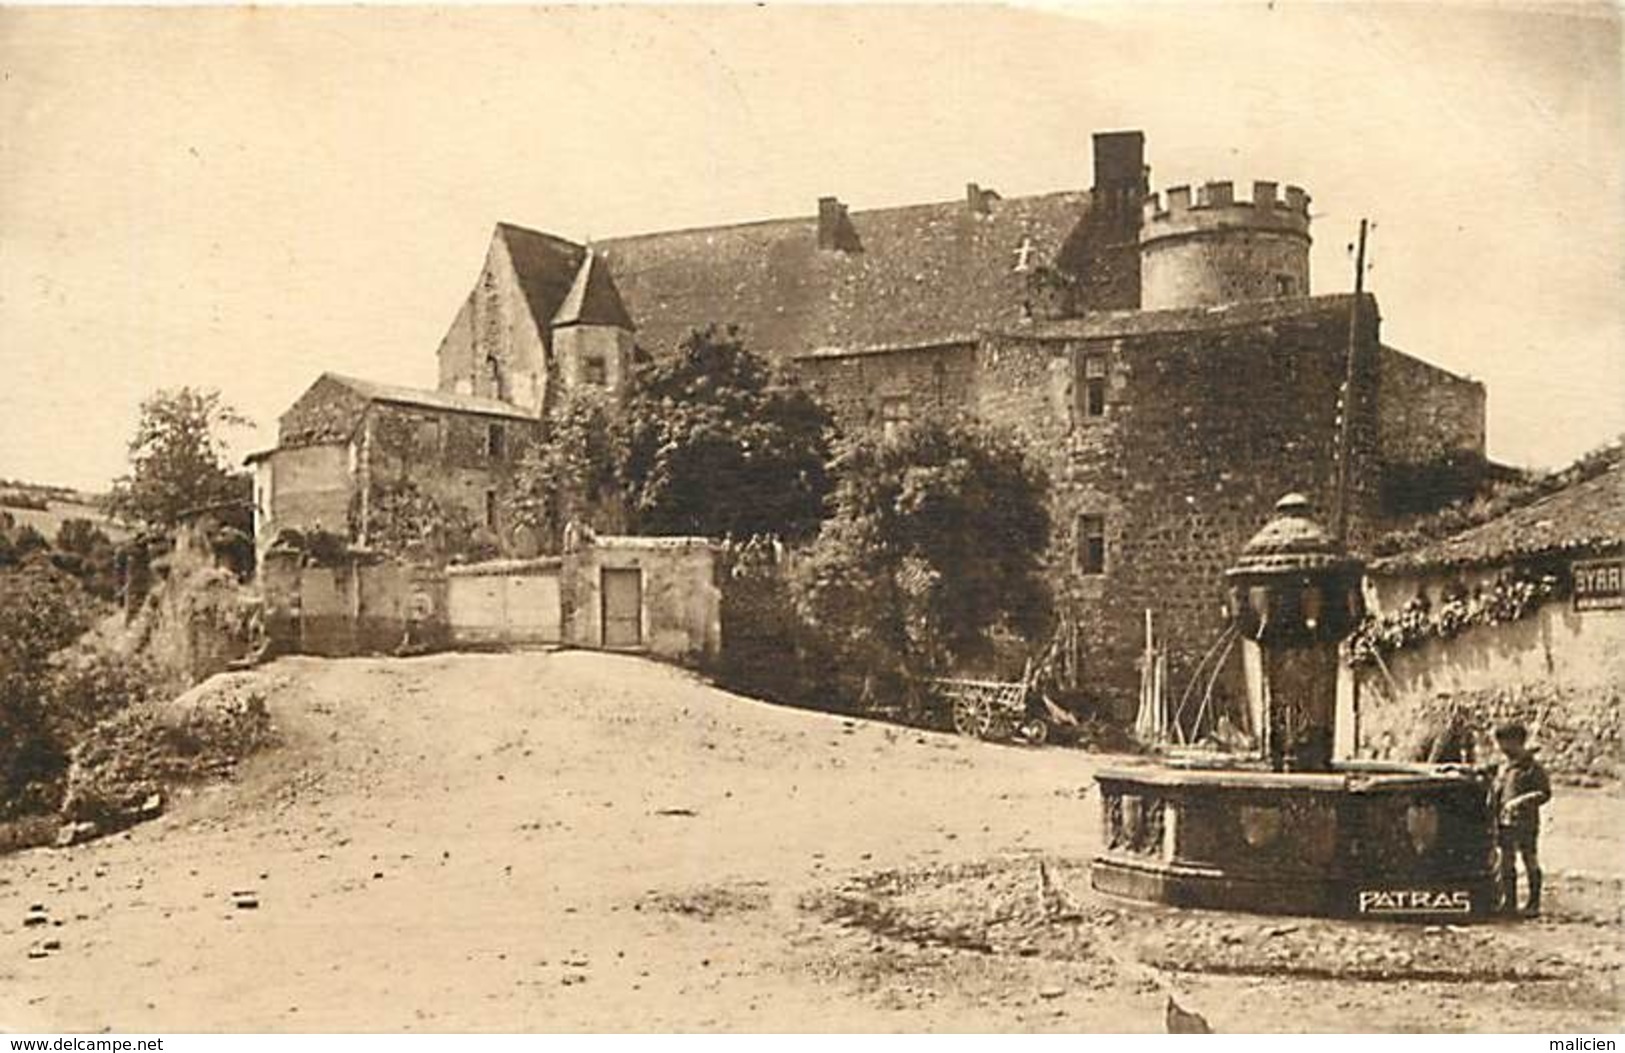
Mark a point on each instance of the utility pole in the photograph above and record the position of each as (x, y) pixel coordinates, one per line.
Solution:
(1340, 522)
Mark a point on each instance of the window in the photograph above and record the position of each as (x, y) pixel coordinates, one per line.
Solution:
(1091, 544)
(493, 378)
(894, 417)
(491, 509)
(1094, 386)
(496, 443)
(428, 436)
(594, 370)
(1283, 285)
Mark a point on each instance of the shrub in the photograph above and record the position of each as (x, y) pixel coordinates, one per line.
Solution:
(41, 611)
(935, 549)
(142, 752)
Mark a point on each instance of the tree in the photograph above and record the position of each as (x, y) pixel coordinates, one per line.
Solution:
(936, 541)
(716, 443)
(178, 460)
(573, 474)
(41, 612)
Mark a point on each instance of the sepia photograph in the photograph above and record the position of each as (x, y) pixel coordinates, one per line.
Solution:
(788, 518)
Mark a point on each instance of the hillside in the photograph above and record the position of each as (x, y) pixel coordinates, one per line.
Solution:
(46, 508)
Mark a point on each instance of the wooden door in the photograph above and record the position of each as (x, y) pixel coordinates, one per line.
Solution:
(622, 591)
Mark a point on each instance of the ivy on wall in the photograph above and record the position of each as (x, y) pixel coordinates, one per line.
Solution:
(1510, 598)
(404, 520)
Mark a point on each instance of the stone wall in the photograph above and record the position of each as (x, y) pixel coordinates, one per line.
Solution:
(1559, 670)
(326, 413)
(682, 602)
(495, 323)
(860, 389)
(1242, 265)
(444, 455)
(1429, 415)
(303, 488)
(1203, 429)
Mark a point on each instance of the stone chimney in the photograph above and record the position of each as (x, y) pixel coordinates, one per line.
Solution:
(1120, 163)
(978, 201)
(835, 230)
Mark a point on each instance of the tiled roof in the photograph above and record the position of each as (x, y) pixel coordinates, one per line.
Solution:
(546, 267)
(441, 400)
(1587, 518)
(593, 298)
(924, 272)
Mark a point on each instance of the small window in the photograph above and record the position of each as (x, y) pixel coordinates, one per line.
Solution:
(594, 370)
(1091, 544)
(428, 435)
(496, 442)
(493, 378)
(491, 509)
(1284, 285)
(1094, 385)
(894, 417)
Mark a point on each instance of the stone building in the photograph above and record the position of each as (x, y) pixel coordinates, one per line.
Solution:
(356, 458)
(1162, 354)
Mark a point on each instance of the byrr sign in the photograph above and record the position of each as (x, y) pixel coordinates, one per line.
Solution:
(1599, 584)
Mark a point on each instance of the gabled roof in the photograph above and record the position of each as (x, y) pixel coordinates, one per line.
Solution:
(1585, 518)
(593, 298)
(546, 267)
(924, 271)
(440, 400)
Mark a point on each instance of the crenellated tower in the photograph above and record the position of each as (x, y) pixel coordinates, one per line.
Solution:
(1210, 248)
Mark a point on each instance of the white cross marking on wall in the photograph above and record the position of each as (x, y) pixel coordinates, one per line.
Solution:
(1024, 255)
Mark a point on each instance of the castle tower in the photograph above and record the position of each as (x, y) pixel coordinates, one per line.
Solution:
(1216, 250)
(592, 333)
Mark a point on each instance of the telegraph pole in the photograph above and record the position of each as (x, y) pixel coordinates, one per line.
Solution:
(1340, 522)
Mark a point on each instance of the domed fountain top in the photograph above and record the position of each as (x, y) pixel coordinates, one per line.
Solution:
(1291, 542)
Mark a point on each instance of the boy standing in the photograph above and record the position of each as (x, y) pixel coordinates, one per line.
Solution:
(1519, 790)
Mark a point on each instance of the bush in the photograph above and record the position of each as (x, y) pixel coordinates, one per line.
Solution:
(935, 550)
(41, 611)
(140, 753)
(89, 685)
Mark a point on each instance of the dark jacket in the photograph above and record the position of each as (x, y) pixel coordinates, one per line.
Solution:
(1514, 779)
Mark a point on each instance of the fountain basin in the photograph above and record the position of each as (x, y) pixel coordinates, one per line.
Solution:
(1396, 842)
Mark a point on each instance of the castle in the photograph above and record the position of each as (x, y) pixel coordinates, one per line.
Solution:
(1161, 353)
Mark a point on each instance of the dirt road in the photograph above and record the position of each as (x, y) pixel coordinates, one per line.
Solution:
(588, 842)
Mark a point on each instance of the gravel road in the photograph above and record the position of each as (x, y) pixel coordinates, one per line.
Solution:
(580, 841)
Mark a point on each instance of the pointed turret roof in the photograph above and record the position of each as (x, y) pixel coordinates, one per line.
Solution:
(593, 298)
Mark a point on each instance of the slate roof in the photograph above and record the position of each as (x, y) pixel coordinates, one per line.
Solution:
(925, 273)
(546, 266)
(593, 298)
(440, 400)
(1585, 518)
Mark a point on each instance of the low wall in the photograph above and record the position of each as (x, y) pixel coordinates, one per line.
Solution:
(681, 615)
(504, 602)
(361, 605)
(353, 607)
(1559, 670)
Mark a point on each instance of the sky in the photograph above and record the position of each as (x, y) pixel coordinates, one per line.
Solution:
(243, 198)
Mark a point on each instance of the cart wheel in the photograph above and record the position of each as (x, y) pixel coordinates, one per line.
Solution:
(1035, 731)
(973, 717)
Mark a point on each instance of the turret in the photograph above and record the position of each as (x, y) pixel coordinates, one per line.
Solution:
(592, 332)
(1214, 249)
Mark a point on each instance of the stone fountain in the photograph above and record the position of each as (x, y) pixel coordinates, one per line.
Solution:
(1284, 828)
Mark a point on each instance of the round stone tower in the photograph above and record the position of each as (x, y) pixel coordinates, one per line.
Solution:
(1215, 249)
